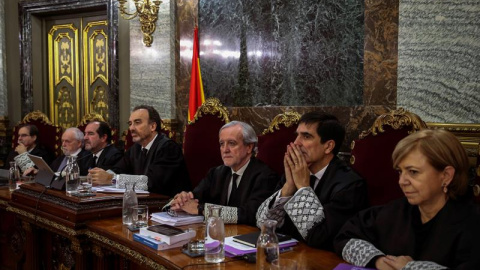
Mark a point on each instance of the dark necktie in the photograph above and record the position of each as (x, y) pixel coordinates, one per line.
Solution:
(94, 163)
(233, 193)
(143, 155)
(313, 179)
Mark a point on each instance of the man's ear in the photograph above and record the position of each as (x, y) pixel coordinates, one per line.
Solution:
(154, 126)
(329, 146)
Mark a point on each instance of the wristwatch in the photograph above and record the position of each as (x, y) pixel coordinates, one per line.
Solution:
(200, 208)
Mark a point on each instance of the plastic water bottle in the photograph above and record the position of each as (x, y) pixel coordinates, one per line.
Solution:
(129, 202)
(215, 236)
(267, 245)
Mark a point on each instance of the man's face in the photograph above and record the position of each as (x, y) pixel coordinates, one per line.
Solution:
(234, 152)
(142, 131)
(25, 138)
(316, 154)
(69, 143)
(93, 142)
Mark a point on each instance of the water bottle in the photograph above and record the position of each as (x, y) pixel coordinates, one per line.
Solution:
(267, 245)
(13, 176)
(72, 176)
(129, 202)
(215, 236)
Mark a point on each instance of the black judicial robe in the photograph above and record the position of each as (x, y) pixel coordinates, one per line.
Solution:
(165, 166)
(320, 213)
(257, 183)
(451, 238)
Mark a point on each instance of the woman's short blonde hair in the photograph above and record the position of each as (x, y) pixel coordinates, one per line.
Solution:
(442, 149)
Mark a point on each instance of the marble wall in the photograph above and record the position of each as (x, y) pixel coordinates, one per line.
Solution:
(439, 59)
(152, 69)
(3, 64)
(377, 81)
(287, 53)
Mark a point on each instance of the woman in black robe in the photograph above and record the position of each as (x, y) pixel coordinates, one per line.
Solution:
(436, 226)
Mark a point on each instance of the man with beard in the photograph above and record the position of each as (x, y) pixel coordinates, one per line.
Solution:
(72, 145)
(98, 138)
(155, 163)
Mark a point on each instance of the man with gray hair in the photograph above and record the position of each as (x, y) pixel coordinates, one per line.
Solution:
(240, 185)
(72, 145)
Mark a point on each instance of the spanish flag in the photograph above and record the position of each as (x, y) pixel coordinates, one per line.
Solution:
(196, 86)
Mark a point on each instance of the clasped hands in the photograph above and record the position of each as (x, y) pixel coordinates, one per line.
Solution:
(185, 201)
(297, 173)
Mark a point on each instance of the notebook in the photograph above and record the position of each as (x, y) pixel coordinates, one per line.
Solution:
(250, 239)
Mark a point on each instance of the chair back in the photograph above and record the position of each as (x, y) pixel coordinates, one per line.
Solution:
(372, 153)
(50, 135)
(272, 144)
(201, 149)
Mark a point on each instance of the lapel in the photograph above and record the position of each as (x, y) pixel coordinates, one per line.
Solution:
(101, 158)
(245, 181)
(225, 178)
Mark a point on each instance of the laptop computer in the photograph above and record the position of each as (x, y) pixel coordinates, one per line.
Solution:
(45, 175)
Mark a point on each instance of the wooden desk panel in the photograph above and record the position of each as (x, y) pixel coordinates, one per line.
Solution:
(113, 236)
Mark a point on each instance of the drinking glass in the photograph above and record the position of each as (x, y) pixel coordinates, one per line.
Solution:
(140, 216)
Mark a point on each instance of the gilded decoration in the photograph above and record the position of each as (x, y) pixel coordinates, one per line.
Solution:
(36, 116)
(89, 117)
(66, 109)
(468, 134)
(396, 119)
(287, 119)
(212, 106)
(63, 70)
(99, 103)
(136, 256)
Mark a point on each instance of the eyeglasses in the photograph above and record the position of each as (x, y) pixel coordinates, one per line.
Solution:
(171, 212)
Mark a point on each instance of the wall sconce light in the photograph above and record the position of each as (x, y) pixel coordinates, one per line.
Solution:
(147, 11)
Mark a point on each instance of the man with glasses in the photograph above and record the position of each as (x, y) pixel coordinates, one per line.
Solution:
(28, 144)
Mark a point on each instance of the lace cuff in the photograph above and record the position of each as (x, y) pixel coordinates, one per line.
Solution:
(305, 210)
(360, 252)
(423, 265)
(23, 161)
(141, 181)
(229, 214)
(276, 212)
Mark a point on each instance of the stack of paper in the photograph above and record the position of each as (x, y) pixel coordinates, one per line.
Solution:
(113, 189)
(233, 248)
(155, 244)
(179, 220)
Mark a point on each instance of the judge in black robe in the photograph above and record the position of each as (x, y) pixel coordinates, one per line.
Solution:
(451, 239)
(257, 183)
(164, 166)
(315, 216)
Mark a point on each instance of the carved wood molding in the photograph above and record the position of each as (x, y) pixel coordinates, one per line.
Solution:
(46, 223)
(288, 118)
(212, 106)
(136, 256)
(396, 119)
